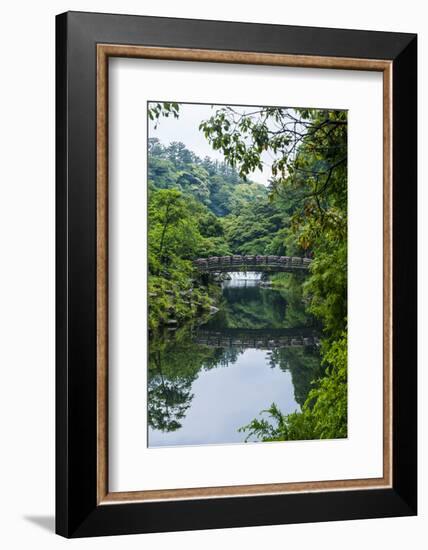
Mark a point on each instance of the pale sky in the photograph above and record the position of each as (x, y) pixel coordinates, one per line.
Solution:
(186, 130)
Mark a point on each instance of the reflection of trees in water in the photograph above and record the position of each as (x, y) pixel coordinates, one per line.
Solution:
(303, 363)
(256, 307)
(174, 364)
(175, 359)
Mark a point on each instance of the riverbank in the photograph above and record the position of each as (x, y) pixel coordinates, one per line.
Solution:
(172, 304)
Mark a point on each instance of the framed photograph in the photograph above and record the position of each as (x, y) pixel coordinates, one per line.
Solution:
(236, 274)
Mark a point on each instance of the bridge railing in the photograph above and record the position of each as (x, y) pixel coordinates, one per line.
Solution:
(213, 262)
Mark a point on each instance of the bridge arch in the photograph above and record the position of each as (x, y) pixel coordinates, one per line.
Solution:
(219, 264)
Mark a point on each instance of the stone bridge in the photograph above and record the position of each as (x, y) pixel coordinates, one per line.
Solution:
(218, 264)
(256, 338)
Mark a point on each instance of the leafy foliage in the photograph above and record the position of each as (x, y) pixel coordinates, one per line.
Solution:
(179, 230)
(166, 109)
(324, 413)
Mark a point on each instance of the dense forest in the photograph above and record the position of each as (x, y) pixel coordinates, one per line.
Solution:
(203, 207)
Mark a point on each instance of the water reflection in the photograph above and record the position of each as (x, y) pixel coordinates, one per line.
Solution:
(205, 383)
(256, 338)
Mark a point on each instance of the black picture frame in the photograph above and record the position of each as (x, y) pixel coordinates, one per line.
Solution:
(77, 511)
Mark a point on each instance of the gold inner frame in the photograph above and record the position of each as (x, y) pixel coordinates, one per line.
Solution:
(104, 51)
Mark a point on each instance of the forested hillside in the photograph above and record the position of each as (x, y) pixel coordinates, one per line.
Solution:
(236, 213)
(215, 184)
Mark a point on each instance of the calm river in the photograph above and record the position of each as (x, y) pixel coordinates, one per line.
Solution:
(205, 383)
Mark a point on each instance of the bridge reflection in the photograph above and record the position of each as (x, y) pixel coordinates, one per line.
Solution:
(256, 338)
